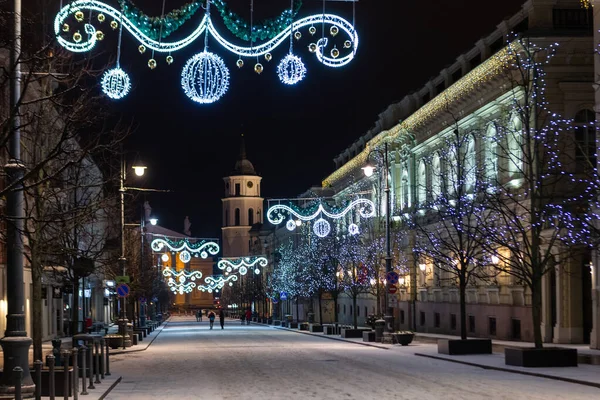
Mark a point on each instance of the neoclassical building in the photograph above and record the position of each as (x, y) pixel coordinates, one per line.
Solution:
(475, 95)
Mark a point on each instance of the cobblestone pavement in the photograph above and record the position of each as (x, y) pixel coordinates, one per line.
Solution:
(190, 361)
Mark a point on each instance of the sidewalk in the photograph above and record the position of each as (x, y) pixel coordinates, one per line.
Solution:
(425, 345)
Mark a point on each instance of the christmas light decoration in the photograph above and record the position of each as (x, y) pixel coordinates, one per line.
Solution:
(164, 257)
(205, 78)
(242, 264)
(290, 225)
(213, 284)
(291, 70)
(185, 256)
(321, 228)
(115, 83)
(202, 248)
(182, 281)
(353, 229)
(150, 32)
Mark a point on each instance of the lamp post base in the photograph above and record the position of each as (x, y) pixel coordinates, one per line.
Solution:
(16, 354)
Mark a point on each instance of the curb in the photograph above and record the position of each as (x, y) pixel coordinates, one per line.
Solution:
(117, 353)
(513, 371)
(368, 344)
(115, 383)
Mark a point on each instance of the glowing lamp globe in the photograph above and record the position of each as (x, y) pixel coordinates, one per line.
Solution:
(115, 83)
(368, 170)
(205, 78)
(291, 70)
(139, 170)
(153, 221)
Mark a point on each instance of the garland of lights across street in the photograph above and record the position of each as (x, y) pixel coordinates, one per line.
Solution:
(205, 77)
(278, 213)
(178, 280)
(214, 284)
(202, 248)
(242, 264)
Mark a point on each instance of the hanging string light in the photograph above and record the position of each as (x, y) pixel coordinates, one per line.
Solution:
(291, 69)
(115, 82)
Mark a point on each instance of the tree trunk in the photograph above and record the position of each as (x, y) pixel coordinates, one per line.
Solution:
(320, 308)
(463, 308)
(378, 299)
(36, 310)
(297, 309)
(75, 308)
(354, 316)
(335, 308)
(536, 310)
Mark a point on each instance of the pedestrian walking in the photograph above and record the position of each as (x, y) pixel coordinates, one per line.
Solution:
(222, 318)
(248, 316)
(211, 319)
(198, 315)
(242, 318)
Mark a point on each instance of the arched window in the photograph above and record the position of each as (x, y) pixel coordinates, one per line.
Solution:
(405, 187)
(250, 216)
(470, 166)
(436, 177)
(491, 154)
(226, 223)
(585, 140)
(451, 171)
(422, 183)
(258, 217)
(237, 217)
(515, 151)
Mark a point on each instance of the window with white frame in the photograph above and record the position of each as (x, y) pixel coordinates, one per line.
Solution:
(422, 183)
(405, 186)
(451, 171)
(491, 154)
(436, 177)
(585, 139)
(515, 151)
(470, 167)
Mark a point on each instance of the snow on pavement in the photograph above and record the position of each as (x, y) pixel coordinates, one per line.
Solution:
(190, 361)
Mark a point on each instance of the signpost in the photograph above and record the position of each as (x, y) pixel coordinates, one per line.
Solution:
(392, 278)
(283, 296)
(123, 290)
(392, 289)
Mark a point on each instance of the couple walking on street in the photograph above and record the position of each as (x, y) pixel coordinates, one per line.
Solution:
(211, 318)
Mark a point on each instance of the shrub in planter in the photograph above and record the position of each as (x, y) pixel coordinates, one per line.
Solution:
(405, 337)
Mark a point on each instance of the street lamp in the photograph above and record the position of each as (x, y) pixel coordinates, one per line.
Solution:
(368, 171)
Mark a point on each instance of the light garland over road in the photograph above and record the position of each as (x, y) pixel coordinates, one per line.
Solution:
(78, 42)
(214, 284)
(201, 248)
(242, 264)
(181, 281)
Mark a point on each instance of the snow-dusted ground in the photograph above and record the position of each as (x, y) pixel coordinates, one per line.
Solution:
(189, 361)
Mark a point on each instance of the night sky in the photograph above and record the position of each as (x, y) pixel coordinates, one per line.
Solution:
(292, 133)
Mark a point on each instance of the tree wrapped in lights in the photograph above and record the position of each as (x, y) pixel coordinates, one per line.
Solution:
(289, 272)
(533, 207)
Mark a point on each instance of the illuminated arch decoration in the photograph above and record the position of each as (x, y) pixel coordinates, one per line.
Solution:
(213, 284)
(201, 248)
(242, 264)
(327, 54)
(277, 213)
(181, 281)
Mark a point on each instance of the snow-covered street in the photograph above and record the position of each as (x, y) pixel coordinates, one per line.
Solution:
(190, 361)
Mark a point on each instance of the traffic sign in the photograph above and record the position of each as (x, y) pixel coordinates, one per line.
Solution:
(274, 300)
(283, 296)
(392, 289)
(123, 290)
(392, 277)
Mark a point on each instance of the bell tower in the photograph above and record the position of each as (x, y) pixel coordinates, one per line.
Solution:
(242, 206)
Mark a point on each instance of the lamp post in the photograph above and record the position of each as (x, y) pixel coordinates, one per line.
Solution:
(15, 343)
(368, 171)
(142, 304)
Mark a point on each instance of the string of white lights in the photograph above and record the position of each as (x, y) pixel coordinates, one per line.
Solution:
(279, 212)
(242, 264)
(181, 281)
(214, 284)
(202, 248)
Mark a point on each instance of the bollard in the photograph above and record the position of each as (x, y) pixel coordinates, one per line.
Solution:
(65, 355)
(107, 359)
(91, 364)
(97, 360)
(74, 352)
(83, 371)
(51, 376)
(18, 379)
(102, 357)
(38, 379)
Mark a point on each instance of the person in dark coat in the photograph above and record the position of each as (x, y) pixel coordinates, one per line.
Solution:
(222, 318)
(211, 319)
(248, 316)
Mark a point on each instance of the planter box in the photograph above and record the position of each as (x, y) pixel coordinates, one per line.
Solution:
(315, 327)
(349, 333)
(463, 347)
(276, 322)
(294, 325)
(546, 357)
(329, 330)
(114, 341)
(304, 326)
(369, 336)
(404, 339)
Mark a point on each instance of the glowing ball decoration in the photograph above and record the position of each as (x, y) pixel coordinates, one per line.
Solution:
(321, 228)
(353, 229)
(116, 83)
(205, 78)
(290, 225)
(291, 69)
(185, 256)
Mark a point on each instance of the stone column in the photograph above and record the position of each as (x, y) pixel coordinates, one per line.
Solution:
(569, 321)
(547, 308)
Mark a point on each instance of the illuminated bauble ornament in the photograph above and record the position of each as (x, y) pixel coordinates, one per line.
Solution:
(99, 35)
(347, 44)
(353, 229)
(77, 37)
(164, 257)
(230, 284)
(101, 18)
(268, 57)
(152, 63)
(291, 70)
(205, 78)
(312, 30)
(185, 256)
(228, 269)
(257, 271)
(79, 16)
(239, 63)
(312, 47)
(335, 53)
(169, 60)
(66, 28)
(334, 30)
(114, 24)
(116, 83)
(321, 228)
(243, 270)
(142, 49)
(204, 254)
(297, 35)
(290, 225)
(258, 68)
